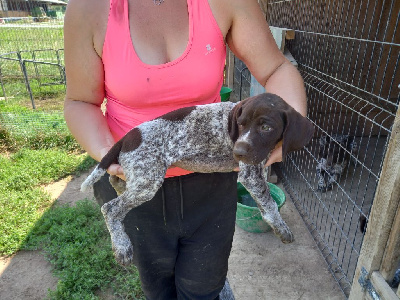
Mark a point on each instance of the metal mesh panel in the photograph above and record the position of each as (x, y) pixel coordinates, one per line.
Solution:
(31, 66)
(348, 54)
(241, 81)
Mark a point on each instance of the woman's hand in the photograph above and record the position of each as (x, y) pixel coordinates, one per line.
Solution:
(276, 155)
(117, 170)
(113, 169)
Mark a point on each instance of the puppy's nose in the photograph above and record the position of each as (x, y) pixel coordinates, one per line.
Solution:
(241, 149)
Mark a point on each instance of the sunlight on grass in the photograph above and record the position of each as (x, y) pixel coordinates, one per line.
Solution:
(77, 243)
(22, 201)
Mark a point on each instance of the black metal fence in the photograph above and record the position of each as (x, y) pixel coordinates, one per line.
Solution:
(348, 54)
(32, 77)
(29, 75)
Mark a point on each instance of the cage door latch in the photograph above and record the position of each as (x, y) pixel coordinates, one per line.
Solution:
(366, 284)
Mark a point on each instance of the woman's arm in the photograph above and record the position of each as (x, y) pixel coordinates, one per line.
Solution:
(250, 39)
(85, 76)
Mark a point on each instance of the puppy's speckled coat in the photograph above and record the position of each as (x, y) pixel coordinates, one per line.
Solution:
(206, 138)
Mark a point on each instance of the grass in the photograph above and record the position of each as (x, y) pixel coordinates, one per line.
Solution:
(22, 201)
(45, 81)
(38, 150)
(33, 42)
(30, 37)
(35, 129)
(78, 245)
(74, 239)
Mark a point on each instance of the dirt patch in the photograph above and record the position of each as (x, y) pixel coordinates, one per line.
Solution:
(68, 190)
(26, 275)
(260, 266)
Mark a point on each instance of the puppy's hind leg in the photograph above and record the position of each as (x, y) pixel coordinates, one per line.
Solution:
(114, 214)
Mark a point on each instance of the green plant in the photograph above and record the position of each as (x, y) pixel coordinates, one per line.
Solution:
(74, 238)
(77, 243)
(31, 37)
(22, 201)
(19, 211)
(38, 46)
(35, 129)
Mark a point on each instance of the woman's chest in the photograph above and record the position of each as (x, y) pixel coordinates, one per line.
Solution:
(159, 33)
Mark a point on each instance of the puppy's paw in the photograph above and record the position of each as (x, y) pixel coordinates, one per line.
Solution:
(123, 253)
(284, 233)
(279, 226)
(121, 244)
(287, 237)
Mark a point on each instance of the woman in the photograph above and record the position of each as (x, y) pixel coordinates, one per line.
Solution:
(148, 57)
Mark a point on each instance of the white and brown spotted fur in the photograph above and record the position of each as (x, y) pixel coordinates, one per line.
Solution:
(206, 138)
(335, 152)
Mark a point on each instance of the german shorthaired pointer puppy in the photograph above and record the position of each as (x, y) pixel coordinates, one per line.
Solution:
(216, 137)
(334, 156)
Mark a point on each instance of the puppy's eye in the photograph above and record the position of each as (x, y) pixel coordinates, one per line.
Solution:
(265, 127)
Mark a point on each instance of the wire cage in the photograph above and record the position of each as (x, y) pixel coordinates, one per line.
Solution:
(348, 54)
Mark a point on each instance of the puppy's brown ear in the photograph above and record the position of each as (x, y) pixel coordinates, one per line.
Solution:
(297, 133)
(234, 114)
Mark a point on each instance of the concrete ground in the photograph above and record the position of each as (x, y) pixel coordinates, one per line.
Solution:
(262, 267)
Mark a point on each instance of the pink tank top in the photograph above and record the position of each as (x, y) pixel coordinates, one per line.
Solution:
(137, 92)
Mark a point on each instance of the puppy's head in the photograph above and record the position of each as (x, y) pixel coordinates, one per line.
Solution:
(258, 123)
(333, 149)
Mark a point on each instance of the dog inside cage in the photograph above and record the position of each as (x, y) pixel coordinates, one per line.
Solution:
(335, 153)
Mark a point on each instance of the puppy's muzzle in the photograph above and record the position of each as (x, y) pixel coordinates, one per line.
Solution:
(241, 150)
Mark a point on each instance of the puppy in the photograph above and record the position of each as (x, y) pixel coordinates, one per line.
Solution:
(334, 156)
(216, 137)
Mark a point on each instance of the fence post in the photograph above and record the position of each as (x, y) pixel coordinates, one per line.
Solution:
(229, 69)
(28, 87)
(2, 86)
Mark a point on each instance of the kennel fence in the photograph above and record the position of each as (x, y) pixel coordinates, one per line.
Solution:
(32, 89)
(348, 54)
(31, 59)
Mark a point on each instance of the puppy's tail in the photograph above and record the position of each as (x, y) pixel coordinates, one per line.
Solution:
(92, 178)
(110, 158)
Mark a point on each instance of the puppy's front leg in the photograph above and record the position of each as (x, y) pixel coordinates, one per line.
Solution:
(252, 178)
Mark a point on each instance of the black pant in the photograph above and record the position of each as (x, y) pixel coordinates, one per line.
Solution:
(182, 238)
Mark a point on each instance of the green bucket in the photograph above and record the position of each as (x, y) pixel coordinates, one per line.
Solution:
(248, 216)
(225, 93)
